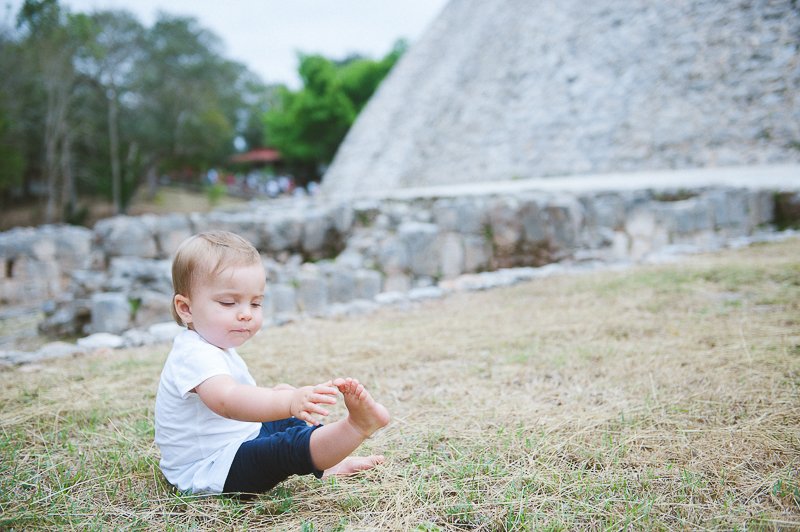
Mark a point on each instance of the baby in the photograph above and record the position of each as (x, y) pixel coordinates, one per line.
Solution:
(216, 430)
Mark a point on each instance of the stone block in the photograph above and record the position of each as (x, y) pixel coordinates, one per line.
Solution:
(312, 292)
(420, 239)
(248, 224)
(165, 332)
(101, 341)
(368, 284)
(565, 219)
(692, 216)
(462, 215)
(451, 250)
(151, 307)
(317, 230)
(125, 236)
(128, 274)
(170, 230)
(59, 350)
(645, 231)
(477, 253)
(393, 256)
(282, 298)
(761, 208)
(111, 312)
(505, 224)
(284, 232)
(397, 282)
(341, 285)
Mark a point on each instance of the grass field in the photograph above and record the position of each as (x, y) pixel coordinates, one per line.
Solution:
(663, 397)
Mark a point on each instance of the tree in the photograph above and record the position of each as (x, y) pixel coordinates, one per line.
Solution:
(54, 37)
(308, 125)
(188, 98)
(97, 102)
(13, 134)
(108, 63)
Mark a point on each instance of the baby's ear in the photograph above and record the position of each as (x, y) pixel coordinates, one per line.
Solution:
(183, 308)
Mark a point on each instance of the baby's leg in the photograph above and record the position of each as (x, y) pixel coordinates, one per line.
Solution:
(332, 444)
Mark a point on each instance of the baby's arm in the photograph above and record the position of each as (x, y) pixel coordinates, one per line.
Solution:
(244, 402)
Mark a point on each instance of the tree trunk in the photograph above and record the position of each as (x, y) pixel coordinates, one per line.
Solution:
(68, 197)
(152, 180)
(113, 142)
(55, 126)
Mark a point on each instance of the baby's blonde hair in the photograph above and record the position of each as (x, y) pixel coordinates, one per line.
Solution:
(207, 254)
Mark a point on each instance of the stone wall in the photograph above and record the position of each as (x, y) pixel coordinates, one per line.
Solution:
(511, 89)
(326, 258)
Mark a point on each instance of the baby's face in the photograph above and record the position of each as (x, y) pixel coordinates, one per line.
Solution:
(226, 308)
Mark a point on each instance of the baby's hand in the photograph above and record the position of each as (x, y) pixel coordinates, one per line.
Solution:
(306, 401)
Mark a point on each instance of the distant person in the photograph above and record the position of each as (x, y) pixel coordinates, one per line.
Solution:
(219, 432)
(283, 184)
(273, 189)
(212, 176)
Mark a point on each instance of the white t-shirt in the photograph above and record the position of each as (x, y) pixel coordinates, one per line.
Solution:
(197, 446)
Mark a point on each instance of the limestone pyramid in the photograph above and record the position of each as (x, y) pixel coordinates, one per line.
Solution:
(498, 90)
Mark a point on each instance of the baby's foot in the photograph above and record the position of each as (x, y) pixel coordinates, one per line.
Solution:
(365, 414)
(354, 464)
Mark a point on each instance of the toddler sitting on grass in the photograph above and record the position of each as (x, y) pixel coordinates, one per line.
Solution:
(216, 430)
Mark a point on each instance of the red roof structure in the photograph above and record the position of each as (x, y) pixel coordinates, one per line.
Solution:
(260, 155)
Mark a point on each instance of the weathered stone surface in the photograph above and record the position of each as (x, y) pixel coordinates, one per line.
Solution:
(250, 225)
(477, 253)
(36, 262)
(165, 331)
(312, 291)
(393, 256)
(284, 231)
(498, 91)
(137, 337)
(427, 292)
(397, 282)
(411, 243)
(420, 239)
(282, 299)
(341, 285)
(67, 317)
(126, 236)
(368, 284)
(132, 274)
(150, 307)
(452, 255)
(111, 312)
(58, 350)
(101, 341)
(170, 230)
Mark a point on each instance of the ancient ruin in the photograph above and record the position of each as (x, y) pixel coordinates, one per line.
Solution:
(514, 89)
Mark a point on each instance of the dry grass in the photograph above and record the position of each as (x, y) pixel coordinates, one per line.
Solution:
(168, 199)
(658, 398)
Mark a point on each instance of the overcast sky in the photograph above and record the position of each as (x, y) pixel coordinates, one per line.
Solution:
(266, 35)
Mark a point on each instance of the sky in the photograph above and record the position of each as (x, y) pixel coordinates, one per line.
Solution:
(266, 35)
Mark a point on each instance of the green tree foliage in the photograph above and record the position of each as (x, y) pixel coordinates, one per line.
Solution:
(98, 103)
(308, 125)
(13, 135)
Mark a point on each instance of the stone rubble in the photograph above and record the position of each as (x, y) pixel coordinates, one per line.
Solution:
(326, 259)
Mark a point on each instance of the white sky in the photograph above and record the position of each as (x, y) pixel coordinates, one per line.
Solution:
(266, 35)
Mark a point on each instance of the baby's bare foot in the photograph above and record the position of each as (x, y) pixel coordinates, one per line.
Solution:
(365, 414)
(354, 464)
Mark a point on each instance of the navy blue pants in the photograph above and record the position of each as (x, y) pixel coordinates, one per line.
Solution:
(279, 451)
